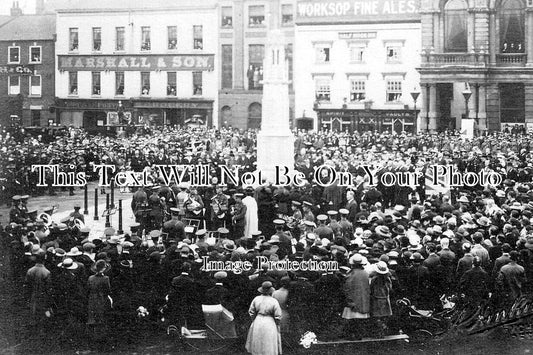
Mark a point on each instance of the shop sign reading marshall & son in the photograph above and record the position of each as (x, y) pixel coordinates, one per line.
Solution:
(196, 62)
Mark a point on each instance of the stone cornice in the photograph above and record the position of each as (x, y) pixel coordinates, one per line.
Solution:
(480, 10)
(429, 12)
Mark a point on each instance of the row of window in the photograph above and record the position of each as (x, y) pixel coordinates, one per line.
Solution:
(146, 38)
(14, 83)
(393, 53)
(256, 16)
(120, 83)
(357, 93)
(511, 19)
(34, 56)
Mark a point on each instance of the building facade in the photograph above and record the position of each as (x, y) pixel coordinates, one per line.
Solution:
(477, 62)
(356, 65)
(119, 63)
(242, 33)
(27, 70)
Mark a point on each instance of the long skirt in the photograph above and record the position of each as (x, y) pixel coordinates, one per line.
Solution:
(263, 337)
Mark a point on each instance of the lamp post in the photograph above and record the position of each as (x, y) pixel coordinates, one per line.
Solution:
(414, 94)
(466, 94)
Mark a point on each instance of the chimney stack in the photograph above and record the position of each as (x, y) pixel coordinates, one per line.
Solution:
(15, 9)
(39, 7)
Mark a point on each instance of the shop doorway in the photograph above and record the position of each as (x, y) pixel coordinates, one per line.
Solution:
(94, 121)
(172, 117)
(512, 103)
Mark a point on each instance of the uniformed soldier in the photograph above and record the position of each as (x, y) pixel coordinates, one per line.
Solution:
(24, 206)
(174, 227)
(238, 214)
(307, 211)
(345, 225)
(323, 231)
(219, 208)
(334, 224)
(285, 245)
(157, 210)
(16, 214)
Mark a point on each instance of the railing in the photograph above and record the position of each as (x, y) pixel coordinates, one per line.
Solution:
(454, 59)
(511, 59)
(479, 59)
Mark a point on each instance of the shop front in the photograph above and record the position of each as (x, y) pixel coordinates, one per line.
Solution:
(362, 120)
(101, 115)
(174, 112)
(93, 115)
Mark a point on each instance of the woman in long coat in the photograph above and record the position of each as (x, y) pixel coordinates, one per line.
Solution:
(380, 287)
(357, 292)
(264, 336)
(99, 292)
(281, 295)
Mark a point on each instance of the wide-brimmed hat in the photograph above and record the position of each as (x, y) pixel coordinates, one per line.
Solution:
(113, 240)
(462, 231)
(438, 220)
(74, 251)
(383, 231)
(382, 268)
(357, 259)
(399, 230)
(467, 218)
(483, 221)
(229, 245)
(417, 257)
(266, 288)
(60, 252)
(68, 264)
(463, 199)
(274, 239)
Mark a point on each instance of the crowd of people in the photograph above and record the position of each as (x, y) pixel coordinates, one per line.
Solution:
(389, 242)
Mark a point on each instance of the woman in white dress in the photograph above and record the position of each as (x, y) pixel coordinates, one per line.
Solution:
(264, 337)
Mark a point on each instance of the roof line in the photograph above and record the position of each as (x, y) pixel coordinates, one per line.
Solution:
(11, 20)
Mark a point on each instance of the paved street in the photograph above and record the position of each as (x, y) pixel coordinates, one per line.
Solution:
(65, 205)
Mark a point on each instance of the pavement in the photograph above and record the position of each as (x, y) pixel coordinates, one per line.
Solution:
(65, 205)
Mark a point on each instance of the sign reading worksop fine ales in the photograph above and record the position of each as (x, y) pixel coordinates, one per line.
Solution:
(357, 11)
(196, 62)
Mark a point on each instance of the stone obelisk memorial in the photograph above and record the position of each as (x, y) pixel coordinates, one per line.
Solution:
(275, 141)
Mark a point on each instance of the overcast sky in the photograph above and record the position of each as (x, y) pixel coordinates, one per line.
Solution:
(27, 6)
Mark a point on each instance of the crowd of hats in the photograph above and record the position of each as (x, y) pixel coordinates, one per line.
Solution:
(382, 240)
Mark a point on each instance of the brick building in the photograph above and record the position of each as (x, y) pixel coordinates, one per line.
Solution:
(482, 47)
(27, 69)
(243, 26)
(153, 61)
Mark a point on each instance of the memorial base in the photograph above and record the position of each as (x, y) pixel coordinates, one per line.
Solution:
(467, 128)
(274, 150)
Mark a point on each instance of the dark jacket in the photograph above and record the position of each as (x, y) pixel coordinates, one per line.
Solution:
(380, 287)
(357, 291)
(474, 284)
